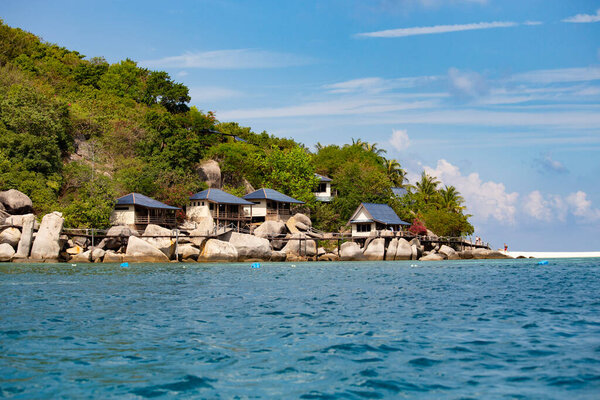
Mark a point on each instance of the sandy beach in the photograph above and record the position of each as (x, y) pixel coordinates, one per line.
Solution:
(554, 254)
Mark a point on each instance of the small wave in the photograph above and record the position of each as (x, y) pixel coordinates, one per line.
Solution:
(530, 325)
(189, 382)
(424, 362)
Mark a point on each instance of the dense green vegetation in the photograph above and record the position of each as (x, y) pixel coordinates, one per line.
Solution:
(76, 133)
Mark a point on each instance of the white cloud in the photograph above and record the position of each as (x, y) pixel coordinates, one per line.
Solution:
(377, 85)
(545, 209)
(584, 18)
(582, 207)
(532, 23)
(400, 140)
(485, 200)
(467, 83)
(229, 59)
(546, 76)
(429, 30)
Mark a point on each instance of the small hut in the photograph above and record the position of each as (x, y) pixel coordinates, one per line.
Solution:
(323, 192)
(226, 209)
(137, 210)
(270, 205)
(370, 217)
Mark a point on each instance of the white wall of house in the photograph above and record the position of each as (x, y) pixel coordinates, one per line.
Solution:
(357, 232)
(326, 195)
(259, 209)
(123, 215)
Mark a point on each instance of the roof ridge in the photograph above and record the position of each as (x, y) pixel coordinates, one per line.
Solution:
(133, 195)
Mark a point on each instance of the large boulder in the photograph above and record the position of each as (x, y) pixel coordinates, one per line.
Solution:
(270, 229)
(390, 253)
(432, 257)
(466, 254)
(414, 252)
(446, 251)
(278, 256)
(494, 254)
(299, 245)
(303, 219)
(249, 247)
(97, 254)
(351, 251)
(28, 223)
(218, 251)
(187, 252)
(161, 238)
(112, 257)
(84, 257)
(115, 237)
(328, 257)
(210, 172)
(76, 249)
(480, 254)
(6, 252)
(11, 236)
(139, 250)
(3, 214)
(197, 237)
(16, 202)
(403, 250)
(291, 225)
(46, 244)
(376, 250)
(17, 220)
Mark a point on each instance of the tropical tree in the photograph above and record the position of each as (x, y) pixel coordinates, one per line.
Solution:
(427, 186)
(372, 148)
(395, 173)
(450, 199)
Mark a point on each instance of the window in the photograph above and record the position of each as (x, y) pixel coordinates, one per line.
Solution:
(122, 208)
(211, 206)
(363, 227)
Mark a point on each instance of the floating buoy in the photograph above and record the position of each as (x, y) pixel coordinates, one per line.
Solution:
(293, 265)
(73, 265)
(125, 265)
(545, 262)
(256, 265)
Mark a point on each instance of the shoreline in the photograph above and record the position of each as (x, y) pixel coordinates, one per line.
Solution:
(553, 254)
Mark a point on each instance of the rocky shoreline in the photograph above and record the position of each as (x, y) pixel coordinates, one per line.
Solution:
(23, 239)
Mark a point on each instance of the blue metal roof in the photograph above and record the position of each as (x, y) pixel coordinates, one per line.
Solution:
(143, 201)
(382, 213)
(323, 178)
(271, 194)
(399, 191)
(219, 196)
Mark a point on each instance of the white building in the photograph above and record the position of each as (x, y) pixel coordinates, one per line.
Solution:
(371, 217)
(137, 210)
(269, 205)
(225, 209)
(323, 192)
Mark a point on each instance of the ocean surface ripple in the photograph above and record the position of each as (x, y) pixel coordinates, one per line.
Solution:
(370, 330)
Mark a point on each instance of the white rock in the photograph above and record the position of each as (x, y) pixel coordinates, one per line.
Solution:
(165, 241)
(6, 252)
(351, 251)
(403, 250)
(249, 246)
(446, 251)
(84, 257)
(218, 251)
(390, 253)
(432, 257)
(299, 245)
(46, 244)
(375, 250)
(270, 229)
(24, 247)
(10, 236)
(210, 172)
(111, 257)
(139, 250)
(97, 254)
(187, 252)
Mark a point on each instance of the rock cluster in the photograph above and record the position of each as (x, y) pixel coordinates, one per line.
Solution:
(22, 238)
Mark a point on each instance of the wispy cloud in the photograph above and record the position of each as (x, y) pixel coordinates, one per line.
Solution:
(546, 164)
(467, 83)
(230, 59)
(584, 18)
(559, 75)
(377, 85)
(430, 30)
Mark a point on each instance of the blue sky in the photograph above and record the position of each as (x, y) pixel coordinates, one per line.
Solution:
(500, 98)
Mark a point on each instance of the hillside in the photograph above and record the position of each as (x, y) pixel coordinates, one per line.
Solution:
(76, 133)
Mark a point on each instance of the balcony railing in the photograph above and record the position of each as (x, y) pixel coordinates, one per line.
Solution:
(145, 220)
(230, 215)
(271, 211)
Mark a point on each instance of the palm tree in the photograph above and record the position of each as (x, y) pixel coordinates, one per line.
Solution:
(358, 142)
(427, 186)
(451, 199)
(372, 148)
(318, 147)
(395, 173)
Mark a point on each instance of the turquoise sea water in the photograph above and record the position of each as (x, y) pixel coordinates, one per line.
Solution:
(460, 329)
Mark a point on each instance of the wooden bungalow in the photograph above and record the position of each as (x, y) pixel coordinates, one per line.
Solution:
(323, 192)
(226, 209)
(371, 217)
(269, 205)
(137, 210)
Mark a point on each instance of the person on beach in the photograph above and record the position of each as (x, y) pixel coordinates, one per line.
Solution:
(505, 247)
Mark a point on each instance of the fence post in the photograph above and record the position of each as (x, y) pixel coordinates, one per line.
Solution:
(177, 244)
